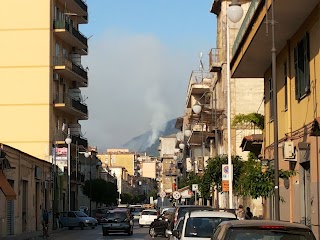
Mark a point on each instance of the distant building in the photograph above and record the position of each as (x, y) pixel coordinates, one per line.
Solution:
(118, 158)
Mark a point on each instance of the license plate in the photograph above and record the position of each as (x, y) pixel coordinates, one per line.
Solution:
(115, 224)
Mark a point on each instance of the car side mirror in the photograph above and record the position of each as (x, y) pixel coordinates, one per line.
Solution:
(176, 233)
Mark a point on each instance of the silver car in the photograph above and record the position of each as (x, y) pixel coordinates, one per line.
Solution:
(77, 219)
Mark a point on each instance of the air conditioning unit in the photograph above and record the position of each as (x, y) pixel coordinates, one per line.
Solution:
(288, 150)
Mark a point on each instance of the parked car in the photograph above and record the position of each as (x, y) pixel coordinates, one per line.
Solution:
(201, 224)
(80, 219)
(117, 221)
(262, 229)
(178, 227)
(147, 217)
(160, 224)
(181, 210)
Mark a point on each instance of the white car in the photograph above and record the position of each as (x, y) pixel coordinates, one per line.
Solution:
(200, 225)
(147, 217)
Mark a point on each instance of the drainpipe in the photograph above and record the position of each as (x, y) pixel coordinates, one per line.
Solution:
(290, 131)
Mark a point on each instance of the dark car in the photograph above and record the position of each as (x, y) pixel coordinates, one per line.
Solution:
(160, 225)
(262, 229)
(181, 210)
(117, 221)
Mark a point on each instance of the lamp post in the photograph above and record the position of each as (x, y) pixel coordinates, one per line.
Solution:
(87, 155)
(235, 13)
(68, 141)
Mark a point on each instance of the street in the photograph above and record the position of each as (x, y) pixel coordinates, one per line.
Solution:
(95, 234)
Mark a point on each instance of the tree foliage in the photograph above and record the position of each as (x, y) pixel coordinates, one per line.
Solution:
(255, 183)
(212, 177)
(256, 119)
(100, 191)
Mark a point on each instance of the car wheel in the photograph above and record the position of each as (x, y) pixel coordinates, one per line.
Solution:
(152, 232)
(93, 227)
(70, 228)
(81, 225)
(105, 233)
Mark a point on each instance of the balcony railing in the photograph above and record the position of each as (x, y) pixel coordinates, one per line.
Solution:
(82, 4)
(214, 64)
(245, 24)
(71, 102)
(62, 24)
(63, 61)
(79, 140)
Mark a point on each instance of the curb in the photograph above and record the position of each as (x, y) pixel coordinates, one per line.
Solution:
(31, 235)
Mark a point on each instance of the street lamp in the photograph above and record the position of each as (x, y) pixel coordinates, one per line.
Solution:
(181, 146)
(196, 108)
(68, 141)
(187, 132)
(235, 14)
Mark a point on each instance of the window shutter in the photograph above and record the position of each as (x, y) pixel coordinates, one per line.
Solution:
(307, 63)
(297, 72)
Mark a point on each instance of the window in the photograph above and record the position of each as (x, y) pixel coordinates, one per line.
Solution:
(271, 98)
(302, 68)
(285, 86)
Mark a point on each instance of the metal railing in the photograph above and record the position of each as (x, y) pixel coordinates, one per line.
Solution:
(213, 56)
(71, 102)
(63, 61)
(82, 4)
(62, 24)
(245, 24)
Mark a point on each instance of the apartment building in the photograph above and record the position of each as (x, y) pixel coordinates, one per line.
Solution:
(169, 171)
(41, 80)
(296, 62)
(118, 158)
(42, 75)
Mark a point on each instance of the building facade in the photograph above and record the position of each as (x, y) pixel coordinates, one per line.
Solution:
(26, 185)
(296, 67)
(119, 157)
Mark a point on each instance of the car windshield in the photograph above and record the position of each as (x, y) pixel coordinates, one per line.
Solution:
(149, 213)
(81, 214)
(203, 226)
(270, 234)
(117, 215)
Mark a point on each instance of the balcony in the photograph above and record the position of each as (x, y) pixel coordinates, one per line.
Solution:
(70, 35)
(173, 172)
(214, 64)
(76, 7)
(69, 105)
(77, 139)
(71, 70)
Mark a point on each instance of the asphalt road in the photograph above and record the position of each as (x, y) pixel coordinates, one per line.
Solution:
(96, 234)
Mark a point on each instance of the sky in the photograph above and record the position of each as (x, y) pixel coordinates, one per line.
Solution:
(141, 55)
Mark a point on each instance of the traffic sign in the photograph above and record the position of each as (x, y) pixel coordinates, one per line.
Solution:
(226, 172)
(176, 195)
(225, 186)
(194, 187)
(162, 194)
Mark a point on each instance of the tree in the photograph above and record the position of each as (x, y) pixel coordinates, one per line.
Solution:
(255, 183)
(126, 198)
(212, 177)
(100, 191)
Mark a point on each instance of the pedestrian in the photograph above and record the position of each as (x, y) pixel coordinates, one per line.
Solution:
(248, 214)
(240, 212)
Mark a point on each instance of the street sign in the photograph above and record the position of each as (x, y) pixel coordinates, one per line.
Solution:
(162, 194)
(225, 186)
(225, 172)
(194, 187)
(176, 195)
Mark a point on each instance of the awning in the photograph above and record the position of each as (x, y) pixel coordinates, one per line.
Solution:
(6, 187)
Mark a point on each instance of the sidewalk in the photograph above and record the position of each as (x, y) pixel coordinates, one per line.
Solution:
(31, 235)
